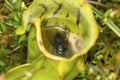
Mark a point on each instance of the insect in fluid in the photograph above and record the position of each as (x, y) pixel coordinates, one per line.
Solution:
(60, 44)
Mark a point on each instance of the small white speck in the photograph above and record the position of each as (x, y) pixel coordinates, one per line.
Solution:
(105, 19)
(112, 14)
(14, 1)
(98, 78)
(23, 4)
(29, 74)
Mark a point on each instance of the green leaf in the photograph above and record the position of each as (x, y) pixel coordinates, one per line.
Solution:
(3, 26)
(18, 4)
(15, 15)
(2, 63)
(5, 51)
(22, 38)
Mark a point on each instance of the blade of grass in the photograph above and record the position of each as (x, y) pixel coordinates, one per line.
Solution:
(118, 69)
(110, 23)
(101, 71)
(9, 5)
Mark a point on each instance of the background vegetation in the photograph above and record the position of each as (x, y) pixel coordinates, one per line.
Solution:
(103, 60)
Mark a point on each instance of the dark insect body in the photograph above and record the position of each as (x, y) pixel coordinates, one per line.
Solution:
(60, 44)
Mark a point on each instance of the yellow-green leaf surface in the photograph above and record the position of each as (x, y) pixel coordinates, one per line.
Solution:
(74, 24)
